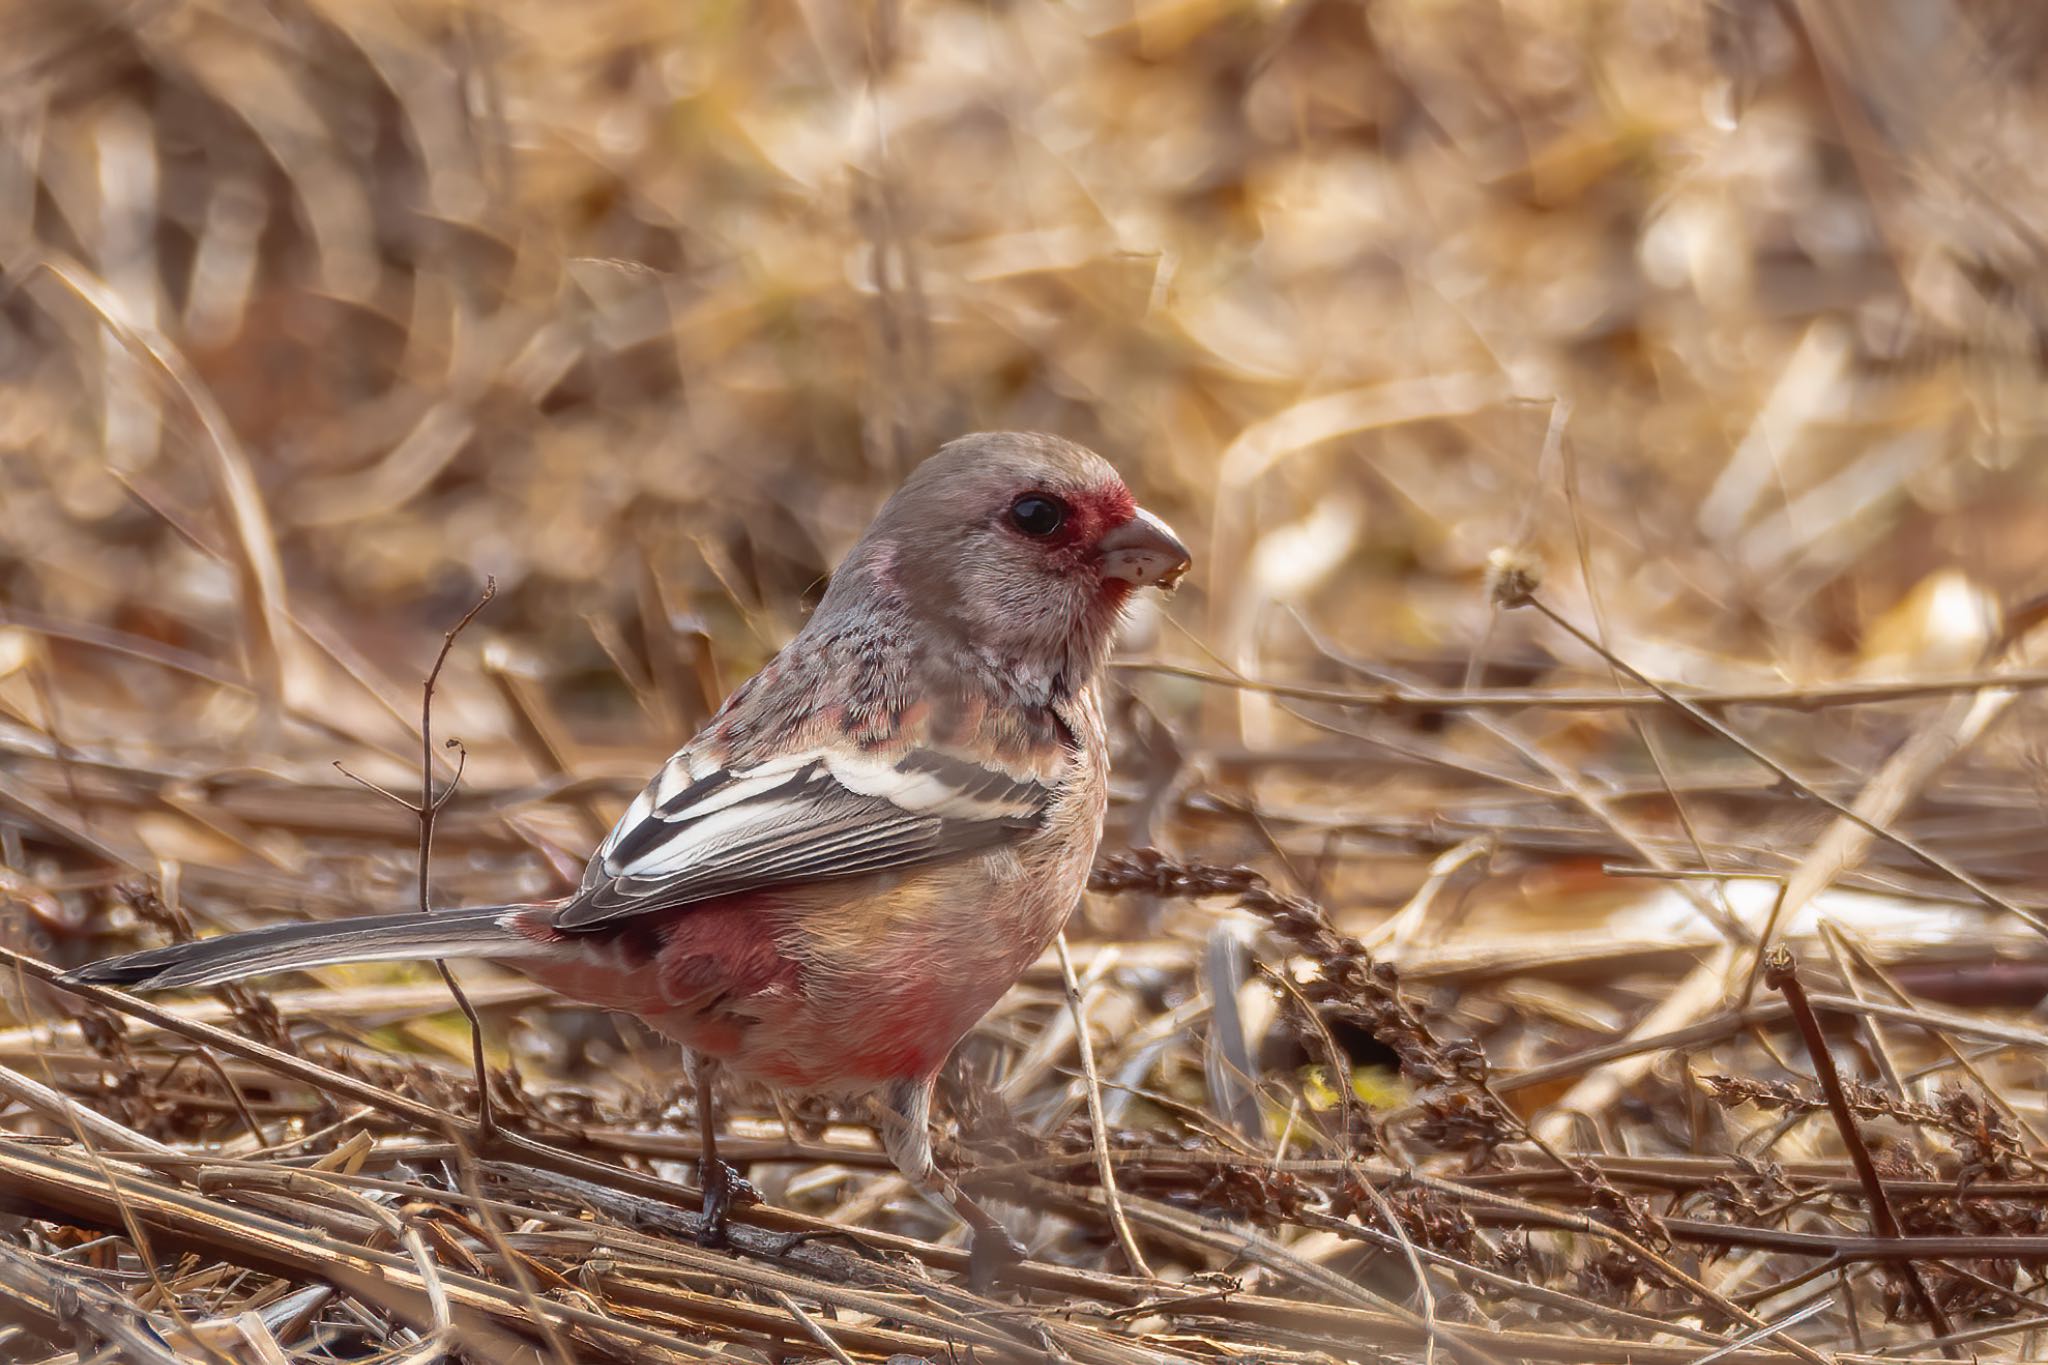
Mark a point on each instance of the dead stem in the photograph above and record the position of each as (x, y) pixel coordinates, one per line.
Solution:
(1781, 973)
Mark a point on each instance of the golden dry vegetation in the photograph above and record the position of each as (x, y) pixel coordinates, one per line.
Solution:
(1610, 433)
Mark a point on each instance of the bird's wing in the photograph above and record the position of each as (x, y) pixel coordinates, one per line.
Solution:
(702, 829)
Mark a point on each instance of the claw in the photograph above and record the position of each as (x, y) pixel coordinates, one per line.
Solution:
(991, 1253)
(724, 1189)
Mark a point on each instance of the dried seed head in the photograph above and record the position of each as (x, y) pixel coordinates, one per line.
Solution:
(1512, 576)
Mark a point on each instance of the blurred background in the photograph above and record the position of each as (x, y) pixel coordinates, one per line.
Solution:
(1723, 317)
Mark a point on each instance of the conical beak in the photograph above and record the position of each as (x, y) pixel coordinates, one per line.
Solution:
(1143, 552)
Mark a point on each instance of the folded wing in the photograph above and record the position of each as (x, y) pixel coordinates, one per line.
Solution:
(701, 830)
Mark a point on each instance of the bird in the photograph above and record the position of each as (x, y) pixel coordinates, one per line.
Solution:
(866, 845)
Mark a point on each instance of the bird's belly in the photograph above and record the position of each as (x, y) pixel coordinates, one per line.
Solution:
(845, 999)
(825, 1043)
(893, 1004)
(826, 1032)
(809, 1027)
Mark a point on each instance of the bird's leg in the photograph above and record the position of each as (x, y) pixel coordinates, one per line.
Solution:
(905, 1130)
(723, 1186)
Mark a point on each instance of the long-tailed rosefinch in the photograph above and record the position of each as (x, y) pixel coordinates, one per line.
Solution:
(871, 840)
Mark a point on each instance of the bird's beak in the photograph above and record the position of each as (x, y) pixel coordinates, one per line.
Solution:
(1143, 552)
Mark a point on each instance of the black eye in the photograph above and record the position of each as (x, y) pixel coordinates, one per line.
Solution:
(1035, 515)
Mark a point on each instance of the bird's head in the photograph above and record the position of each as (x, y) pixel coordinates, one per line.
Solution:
(1024, 546)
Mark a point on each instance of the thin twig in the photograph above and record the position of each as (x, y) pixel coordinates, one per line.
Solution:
(1781, 973)
(812, 1327)
(1405, 698)
(1097, 1128)
(1716, 905)
(429, 808)
(1790, 1320)
(426, 810)
(1699, 713)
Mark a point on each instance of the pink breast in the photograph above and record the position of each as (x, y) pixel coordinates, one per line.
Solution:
(728, 980)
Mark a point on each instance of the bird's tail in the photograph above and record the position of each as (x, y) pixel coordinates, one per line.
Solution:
(481, 931)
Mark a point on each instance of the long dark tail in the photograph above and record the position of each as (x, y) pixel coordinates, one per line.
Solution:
(482, 931)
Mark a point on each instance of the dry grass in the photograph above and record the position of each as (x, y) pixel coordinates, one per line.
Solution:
(1610, 434)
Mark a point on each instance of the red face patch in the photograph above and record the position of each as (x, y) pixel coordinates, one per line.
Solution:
(1112, 504)
(1090, 514)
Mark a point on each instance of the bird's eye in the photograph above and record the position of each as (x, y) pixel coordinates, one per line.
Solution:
(1036, 515)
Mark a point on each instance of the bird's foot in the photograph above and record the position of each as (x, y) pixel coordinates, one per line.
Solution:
(724, 1189)
(991, 1253)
